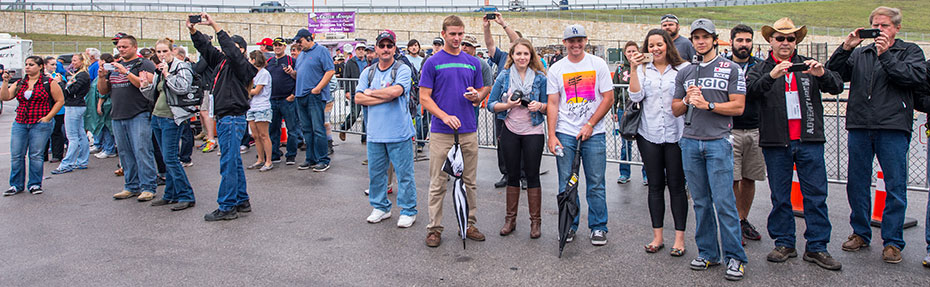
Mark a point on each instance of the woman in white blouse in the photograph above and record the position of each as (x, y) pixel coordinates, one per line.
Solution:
(652, 84)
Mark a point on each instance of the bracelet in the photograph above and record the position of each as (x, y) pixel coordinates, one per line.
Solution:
(589, 123)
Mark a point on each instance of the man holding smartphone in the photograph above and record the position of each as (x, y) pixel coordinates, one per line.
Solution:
(282, 103)
(879, 119)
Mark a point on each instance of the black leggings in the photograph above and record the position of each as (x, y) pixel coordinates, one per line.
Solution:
(663, 165)
(526, 150)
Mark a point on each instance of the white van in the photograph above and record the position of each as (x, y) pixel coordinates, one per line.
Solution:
(13, 51)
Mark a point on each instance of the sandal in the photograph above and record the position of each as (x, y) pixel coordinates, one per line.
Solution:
(653, 249)
(675, 252)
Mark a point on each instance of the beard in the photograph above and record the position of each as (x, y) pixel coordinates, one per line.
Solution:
(742, 52)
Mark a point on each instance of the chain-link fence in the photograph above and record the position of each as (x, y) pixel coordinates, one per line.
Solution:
(835, 149)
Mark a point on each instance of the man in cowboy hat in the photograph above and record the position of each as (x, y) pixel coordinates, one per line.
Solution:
(792, 135)
(882, 78)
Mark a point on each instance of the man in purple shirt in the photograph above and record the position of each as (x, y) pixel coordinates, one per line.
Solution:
(447, 90)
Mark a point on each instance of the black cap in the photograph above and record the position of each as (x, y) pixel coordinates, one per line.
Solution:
(303, 33)
(386, 34)
(438, 41)
(239, 41)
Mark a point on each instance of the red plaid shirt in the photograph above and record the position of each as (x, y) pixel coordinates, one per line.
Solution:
(38, 105)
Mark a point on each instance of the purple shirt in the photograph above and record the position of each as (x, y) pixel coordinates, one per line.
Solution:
(449, 76)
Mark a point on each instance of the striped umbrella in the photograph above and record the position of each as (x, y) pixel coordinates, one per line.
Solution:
(454, 166)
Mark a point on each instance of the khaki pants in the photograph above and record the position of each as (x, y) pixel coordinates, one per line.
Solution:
(439, 146)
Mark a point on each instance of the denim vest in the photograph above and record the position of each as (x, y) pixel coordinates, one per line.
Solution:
(502, 85)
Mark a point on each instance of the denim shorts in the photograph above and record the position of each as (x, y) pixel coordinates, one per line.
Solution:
(259, 115)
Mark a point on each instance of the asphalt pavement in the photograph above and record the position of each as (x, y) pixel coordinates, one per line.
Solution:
(309, 229)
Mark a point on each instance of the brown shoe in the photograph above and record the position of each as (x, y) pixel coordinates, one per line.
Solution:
(513, 201)
(534, 200)
(125, 194)
(853, 243)
(473, 234)
(118, 172)
(342, 136)
(891, 254)
(433, 239)
(146, 196)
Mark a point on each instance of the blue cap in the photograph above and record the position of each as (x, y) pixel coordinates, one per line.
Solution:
(303, 33)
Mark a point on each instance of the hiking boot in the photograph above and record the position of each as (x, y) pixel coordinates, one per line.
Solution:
(183, 205)
(378, 215)
(734, 270)
(161, 202)
(781, 254)
(244, 207)
(701, 264)
(11, 191)
(218, 214)
(125, 194)
(342, 136)
(891, 254)
(853, 243)
(146, 196)
(433, 239)
(473, 234)
(823, 259)
(749, 231)
(599, 238)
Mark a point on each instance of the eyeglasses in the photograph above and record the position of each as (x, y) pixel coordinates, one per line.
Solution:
(388, 46)
(783, 38)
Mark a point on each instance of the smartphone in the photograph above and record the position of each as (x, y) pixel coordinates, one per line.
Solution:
(490, 16)
(108, 67)
(194, 19)
(648, 58)
(869, 33)
(798, 67)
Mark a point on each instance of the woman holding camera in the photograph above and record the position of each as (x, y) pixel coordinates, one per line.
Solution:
(518, 97)
(39, 98)
(652, 84)
(74, 91)
(173, 78)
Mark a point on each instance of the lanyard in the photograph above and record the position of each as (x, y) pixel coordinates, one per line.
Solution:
(217, 77)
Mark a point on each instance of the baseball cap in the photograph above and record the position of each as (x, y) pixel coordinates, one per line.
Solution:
(239, 41)
(386, 34)
(669, 18)
(303, 33)
(370, 47)
(265, 42)
(703, 24)
(339, 57)
(359, 45)
(118, 36)
(471, 41)
(279, 40)
(438, 41)
(573, 31)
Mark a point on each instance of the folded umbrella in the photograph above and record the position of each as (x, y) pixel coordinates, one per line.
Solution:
(568, 202)
(454, 166)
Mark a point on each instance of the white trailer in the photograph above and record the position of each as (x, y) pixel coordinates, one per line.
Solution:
(13, 53)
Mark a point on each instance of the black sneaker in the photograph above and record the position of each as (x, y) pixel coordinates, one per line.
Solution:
(159, 180)
(570, 237)
(304, 166)
(823, 259)
(290, 161)
(599, 238)
(218, 214)
(276, 160)
(11, 191)
(321, 167)
(244, 207)
(502, 182)
(161, 202)
(35, 189)
(749, 231)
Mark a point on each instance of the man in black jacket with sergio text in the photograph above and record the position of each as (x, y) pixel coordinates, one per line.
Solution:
(882, 78)
(791, 133)
(230, 102)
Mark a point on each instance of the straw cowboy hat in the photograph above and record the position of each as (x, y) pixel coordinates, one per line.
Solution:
(784, 26)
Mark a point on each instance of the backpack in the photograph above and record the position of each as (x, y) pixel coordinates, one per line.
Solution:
(193, 97)
(414, 101)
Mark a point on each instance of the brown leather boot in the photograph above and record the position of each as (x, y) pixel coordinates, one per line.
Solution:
(513, 200)
(534, 199)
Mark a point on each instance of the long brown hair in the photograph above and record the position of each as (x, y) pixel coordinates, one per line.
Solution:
(671, 54)
(258, 59)
(534, 64)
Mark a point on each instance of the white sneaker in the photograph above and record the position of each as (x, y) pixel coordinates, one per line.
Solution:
(377, 216)
(366, 191)
(406, 221)
(103, 154)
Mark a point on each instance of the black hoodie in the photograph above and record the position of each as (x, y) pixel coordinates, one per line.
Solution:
(233, 73)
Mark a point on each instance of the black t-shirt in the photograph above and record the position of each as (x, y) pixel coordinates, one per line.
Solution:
(126, 98)
(750, 117)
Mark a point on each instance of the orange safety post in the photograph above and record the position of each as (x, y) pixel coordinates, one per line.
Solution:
(797, 199)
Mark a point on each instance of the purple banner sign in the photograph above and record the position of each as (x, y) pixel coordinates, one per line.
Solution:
(328, 22)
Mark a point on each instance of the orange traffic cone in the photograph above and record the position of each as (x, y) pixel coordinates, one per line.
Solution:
(797, 199)
(878, 208)
(283, 134)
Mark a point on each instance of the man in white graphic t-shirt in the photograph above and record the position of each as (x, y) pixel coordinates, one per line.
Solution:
(580, 94)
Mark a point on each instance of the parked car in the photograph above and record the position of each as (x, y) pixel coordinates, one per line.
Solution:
(486, 9)
(268, 7)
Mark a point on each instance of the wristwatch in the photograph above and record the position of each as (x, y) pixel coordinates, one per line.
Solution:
(710, 106)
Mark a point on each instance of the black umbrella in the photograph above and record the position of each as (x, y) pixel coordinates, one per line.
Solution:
(568, 202)
(454, 166)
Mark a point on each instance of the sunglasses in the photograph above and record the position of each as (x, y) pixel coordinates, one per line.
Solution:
(783, 38)
(383, 46)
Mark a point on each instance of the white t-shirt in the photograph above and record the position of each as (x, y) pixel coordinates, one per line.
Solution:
(580, 86)
(262, 101)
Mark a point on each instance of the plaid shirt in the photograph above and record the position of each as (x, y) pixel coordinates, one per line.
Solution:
(38, 105)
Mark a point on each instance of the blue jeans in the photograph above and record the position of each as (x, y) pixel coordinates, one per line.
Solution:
(891, 149)
(177, 186)
(136, 153)
(232, 191)
(812, 173)
(78, 147)
(594, 161)
(626, 153)
(282, 109)
(31, 138)
(105, 141)
(310, 112)
(708, 166)
(401, 155)
(187, 141)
